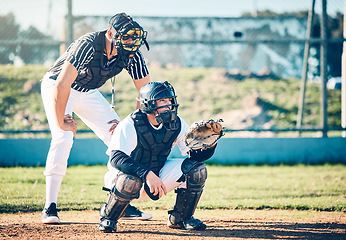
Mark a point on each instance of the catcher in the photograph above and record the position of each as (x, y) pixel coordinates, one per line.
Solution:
(138, 165)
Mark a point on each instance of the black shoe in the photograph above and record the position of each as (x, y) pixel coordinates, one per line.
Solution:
(132, 213)
(190, 224)
(107, 226)
(50, 214)
(194, 224)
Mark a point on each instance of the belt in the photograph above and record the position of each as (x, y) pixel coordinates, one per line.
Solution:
(73, 86)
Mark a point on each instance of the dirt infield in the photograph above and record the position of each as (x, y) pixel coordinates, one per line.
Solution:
(222, 224)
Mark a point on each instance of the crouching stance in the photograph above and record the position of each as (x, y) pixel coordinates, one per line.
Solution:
(138, 165)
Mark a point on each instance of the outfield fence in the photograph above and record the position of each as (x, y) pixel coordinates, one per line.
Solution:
(230, 151)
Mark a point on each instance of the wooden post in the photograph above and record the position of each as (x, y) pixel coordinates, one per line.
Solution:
(305, 67)
(67, 28)
(69, 22)
(323, 71)
(63, 45)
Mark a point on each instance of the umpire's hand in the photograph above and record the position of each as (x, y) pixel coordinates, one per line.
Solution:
(115, 124)
(69, 124)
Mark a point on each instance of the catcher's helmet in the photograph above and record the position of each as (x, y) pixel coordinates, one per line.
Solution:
(153, 91)
(123, 28)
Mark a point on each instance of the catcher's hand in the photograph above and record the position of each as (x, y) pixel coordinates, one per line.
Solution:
(204, 134)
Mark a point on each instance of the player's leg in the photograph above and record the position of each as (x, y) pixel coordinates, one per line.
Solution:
(125, 189)
(96, 112)
(187, 198)
(169, 174)
(189, 178)
(131, 212)
(58, 153)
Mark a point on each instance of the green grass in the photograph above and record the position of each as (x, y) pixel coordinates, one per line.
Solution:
(203, 93)
(301, 187)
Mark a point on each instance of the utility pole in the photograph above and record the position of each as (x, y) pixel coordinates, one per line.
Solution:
(69, 22)
(67, 28)
(305, 67)
(323, 73)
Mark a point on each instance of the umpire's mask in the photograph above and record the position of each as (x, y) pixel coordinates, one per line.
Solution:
(128, 36)
(153, 91)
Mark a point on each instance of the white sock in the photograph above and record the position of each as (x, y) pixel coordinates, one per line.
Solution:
(53, 183)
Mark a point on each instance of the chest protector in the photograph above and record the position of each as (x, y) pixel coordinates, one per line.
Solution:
(96, 73)
(153, 146)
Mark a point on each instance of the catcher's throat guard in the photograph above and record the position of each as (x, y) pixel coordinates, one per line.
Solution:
(204, 134)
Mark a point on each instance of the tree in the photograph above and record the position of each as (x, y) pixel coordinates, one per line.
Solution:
(9, 30)
(33, 54)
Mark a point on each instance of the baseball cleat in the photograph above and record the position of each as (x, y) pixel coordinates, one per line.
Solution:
(50, 214)
(194, 224)
(107, 226)
(132, 213)
(190, 224)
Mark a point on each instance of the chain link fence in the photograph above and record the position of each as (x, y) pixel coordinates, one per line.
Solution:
(258, 54)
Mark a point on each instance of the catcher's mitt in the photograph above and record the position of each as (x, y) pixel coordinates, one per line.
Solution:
(204, 134)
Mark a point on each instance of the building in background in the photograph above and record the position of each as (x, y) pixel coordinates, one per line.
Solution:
(243, 45)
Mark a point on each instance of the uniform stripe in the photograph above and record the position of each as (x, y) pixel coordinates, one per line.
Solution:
(138, 69)
(81, 52)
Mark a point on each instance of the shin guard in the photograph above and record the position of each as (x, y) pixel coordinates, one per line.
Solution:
(187, 199)
(126, 188)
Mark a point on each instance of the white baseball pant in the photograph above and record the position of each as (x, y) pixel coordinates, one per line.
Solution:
(169, 174)
(91, 107)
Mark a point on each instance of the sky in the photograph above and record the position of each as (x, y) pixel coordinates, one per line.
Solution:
(46, 15)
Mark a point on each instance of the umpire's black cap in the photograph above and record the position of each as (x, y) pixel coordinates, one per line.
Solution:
(119, 20)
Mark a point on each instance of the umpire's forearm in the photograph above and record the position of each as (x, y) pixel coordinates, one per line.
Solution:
(62, 91)
(61, 96)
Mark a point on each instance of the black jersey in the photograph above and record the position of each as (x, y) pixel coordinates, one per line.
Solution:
(82, 51)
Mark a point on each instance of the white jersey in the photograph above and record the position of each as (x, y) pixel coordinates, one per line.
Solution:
(125, 137)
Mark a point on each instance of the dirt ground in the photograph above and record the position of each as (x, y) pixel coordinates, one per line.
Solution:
(222, 224)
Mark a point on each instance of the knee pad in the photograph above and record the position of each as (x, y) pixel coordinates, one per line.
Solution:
(127, 186)
(196, 174)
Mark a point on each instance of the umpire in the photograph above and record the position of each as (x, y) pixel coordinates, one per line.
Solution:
(70, 86)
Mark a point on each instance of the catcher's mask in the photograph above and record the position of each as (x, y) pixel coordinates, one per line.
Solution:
(128, 36)
(148, 96)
